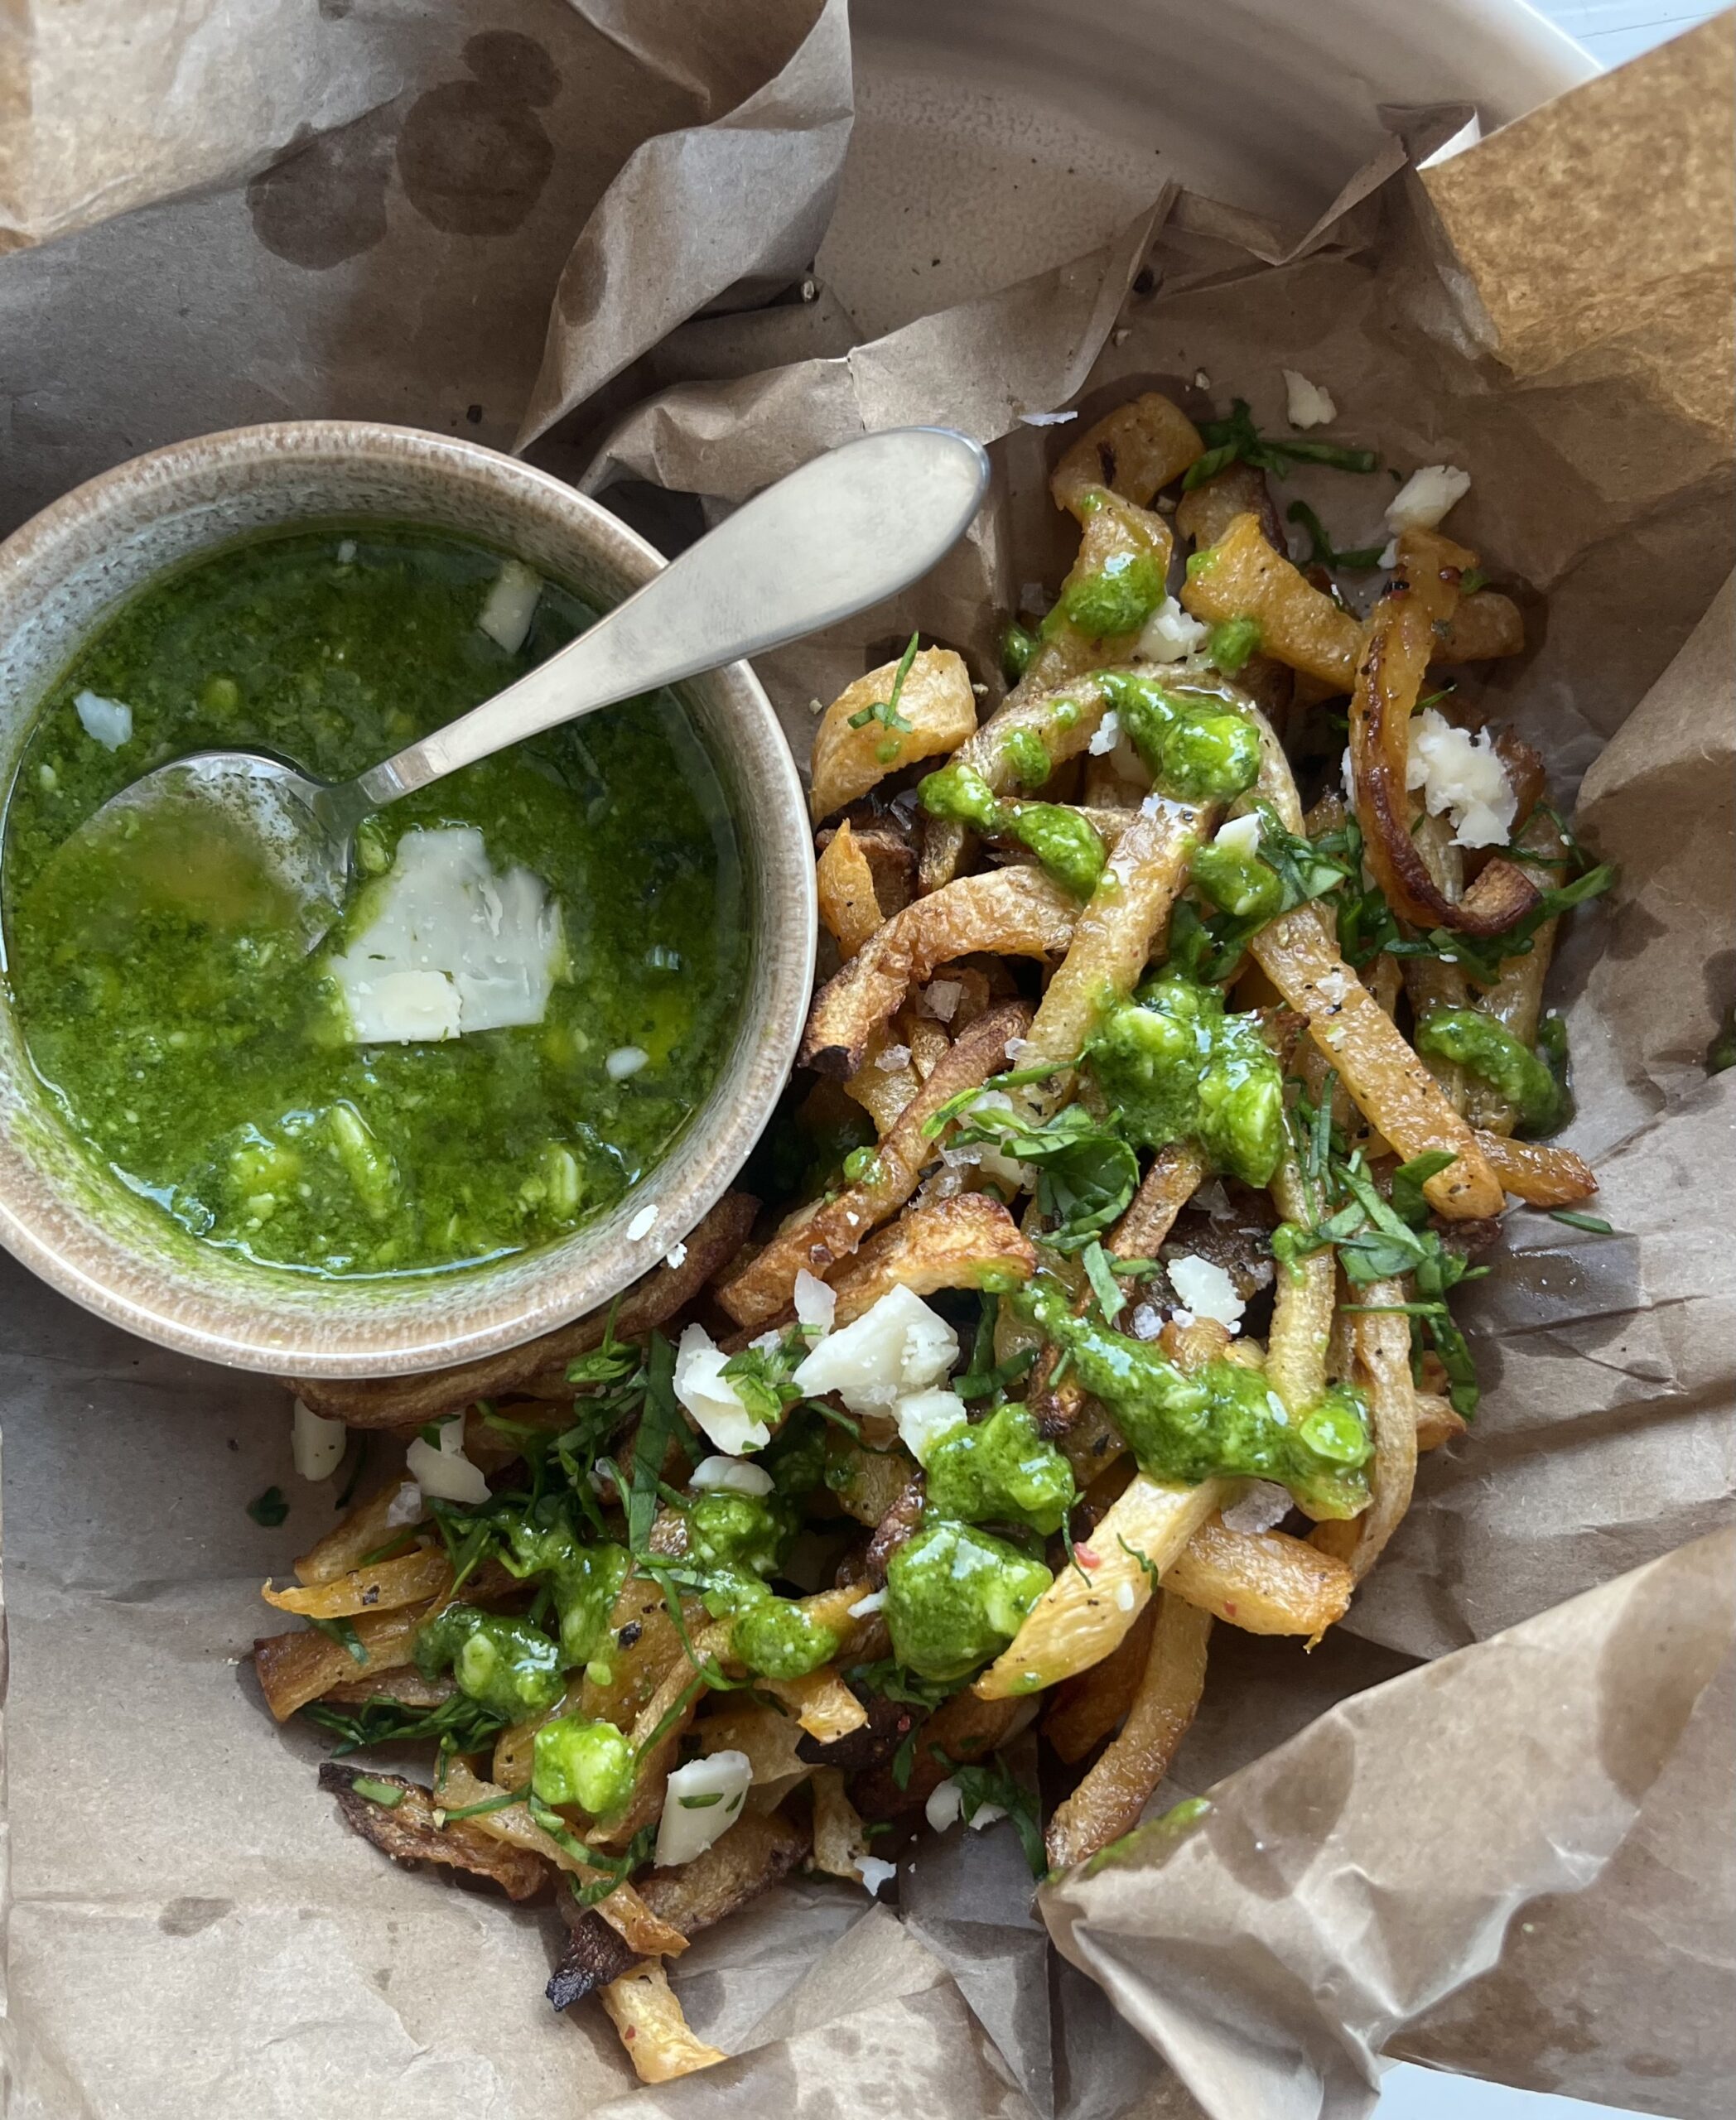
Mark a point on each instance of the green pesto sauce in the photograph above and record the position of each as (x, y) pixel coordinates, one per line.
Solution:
(1239, 883)
(1177, 1066)
(589, 1764)
(583, 1582)
(1028, 757)
(999, 1471)
(956, 1597)
(1067, 845)
(747, 1532)
(1116, 598)
(781, 1639)
(204, 1067)
(1220, 1421)
(1195, 747)
(1466, 1038)
(511, 1667)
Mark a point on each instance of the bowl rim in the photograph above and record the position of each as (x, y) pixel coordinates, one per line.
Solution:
(212, 1325)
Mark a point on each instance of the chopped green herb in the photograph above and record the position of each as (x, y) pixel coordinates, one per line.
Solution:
(386, 1794)
(1237, 439)
(269, 1509)
(1593, 1225)
(1321, 550)
(885, 710)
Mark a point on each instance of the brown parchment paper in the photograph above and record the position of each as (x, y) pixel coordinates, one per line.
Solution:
(504, 217)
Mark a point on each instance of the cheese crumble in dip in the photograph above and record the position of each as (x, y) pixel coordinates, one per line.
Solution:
(534, 981)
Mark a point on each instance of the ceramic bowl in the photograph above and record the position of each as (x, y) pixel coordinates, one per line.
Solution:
(86, 1234)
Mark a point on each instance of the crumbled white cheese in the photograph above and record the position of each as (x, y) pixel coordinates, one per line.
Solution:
(1346, 775)
(676, 1257)
(1263, 1504)
(1016, 1050)
(892, 1057)
(1212, 1200)
(405, 1507)
(316, 1444)
(816, 1304)
(1207, 1289)
(1277, 1409)
(511, 605)
(873, 1602)
(1388, 556)
(896, 1346)
(1424, 499)
(626, 1060)
(1146, 1323)
(107, 721)
(1462, 776)
(874, 1873)
(1124, 1597)
(944, 1804)
(445, 1473)
(1202, 380)
(1046, 419)
(940, 999)
(985, 1815)
(710, 1397)
(346, 551)
(729, 1476)
(641, 1224)
(701, 1801)
(1241, 835)
(1169, 635)
(1106, 735)
(448, 945)
(924, 1417)
(1307, 404)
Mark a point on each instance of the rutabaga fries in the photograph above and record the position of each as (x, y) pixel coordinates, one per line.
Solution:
(1242, 577)
(1390, 1087)
(1113, 937)
(1088, 1708)
(592, 1957)
(883, 1092)
(1203, 515)
(365, 1530)
(660, 2042)
(964, 1728)
(1437, 1421)
(1107, 1803)
(1396, 645)
(833, 1229)
(765, 1736)
(411, 1579)
(1135, 451)
(865, 1483)
(935, 698)
(1303, 1299)
(737, 1867)
(403, 1401)
(839, 1842)
(1537, 1172)
(1020, 912)
(624, 1911)
(1382, 1345)
(970, 1241)
(1482, 627)
(821, 1704)
(849, 905)
(294, 1669)
(1263, 1582)
(1089, 1607)
(412, 1830)
(1516, 1000)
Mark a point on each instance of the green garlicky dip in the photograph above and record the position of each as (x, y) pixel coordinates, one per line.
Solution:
(220, 1073)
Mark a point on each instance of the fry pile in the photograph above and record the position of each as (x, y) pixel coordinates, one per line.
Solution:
(1147, 1118)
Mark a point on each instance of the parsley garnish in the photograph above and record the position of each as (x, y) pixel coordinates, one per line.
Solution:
(1593, 1225)
(1321, 550)
(461, 1724)
(1237, 439)
(386, 1794)
(344, 1630)
(269, 1509)
(992, 1782)
(885, 710)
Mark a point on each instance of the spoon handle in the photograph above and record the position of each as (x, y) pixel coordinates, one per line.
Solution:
(846, 530)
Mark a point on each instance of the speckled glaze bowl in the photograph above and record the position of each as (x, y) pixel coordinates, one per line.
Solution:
(85, 1233)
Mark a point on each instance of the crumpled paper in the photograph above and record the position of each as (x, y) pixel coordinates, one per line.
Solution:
(444, 215)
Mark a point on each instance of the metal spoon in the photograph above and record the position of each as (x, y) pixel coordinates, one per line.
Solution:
(846, 530)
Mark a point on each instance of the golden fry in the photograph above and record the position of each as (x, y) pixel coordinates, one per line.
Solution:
(1263, 1582)
(970, 1241)
(660, 2042)
(1086, 1708)
(1383, 1369)
(1135, 451)
(294, 1669)
(935, 698)
(849, 905)
(365, 1530)
(838, 1838)
(411, 1579)
(1242, 576)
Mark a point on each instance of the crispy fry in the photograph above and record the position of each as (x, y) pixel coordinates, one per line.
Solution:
(838, 1838)
(411, 1579)
(361, 1532)
(883, 1093)
(296, 1668)
(822, 1704)
(865, 1483)
(624, 1911)
(1114, 935)
(1383, 1369)
(849, 905)
(1396, 645)
(406, 1685)
(766, 1736)
(1020, 912)
(1264, 1582)
(401, 1401)
(1516, 1000)
(935, 700)
(1241, 575)
(1135, 451)
(645, 1645)
(962, 1728)
(1484, 626)
(1537, 1172)
(970, 1241)
(1107, 1803)
(1392, 1089)
(832, 1230)
(1086, 1708)
(1436, 1421)
(660, 2042)
(593, 1956)
(1305, 1294)
(411, 1831)
(737, 1867)
(1086, 1611)
(1203, 515)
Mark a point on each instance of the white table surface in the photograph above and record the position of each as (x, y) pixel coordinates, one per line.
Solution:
(1612, 30)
